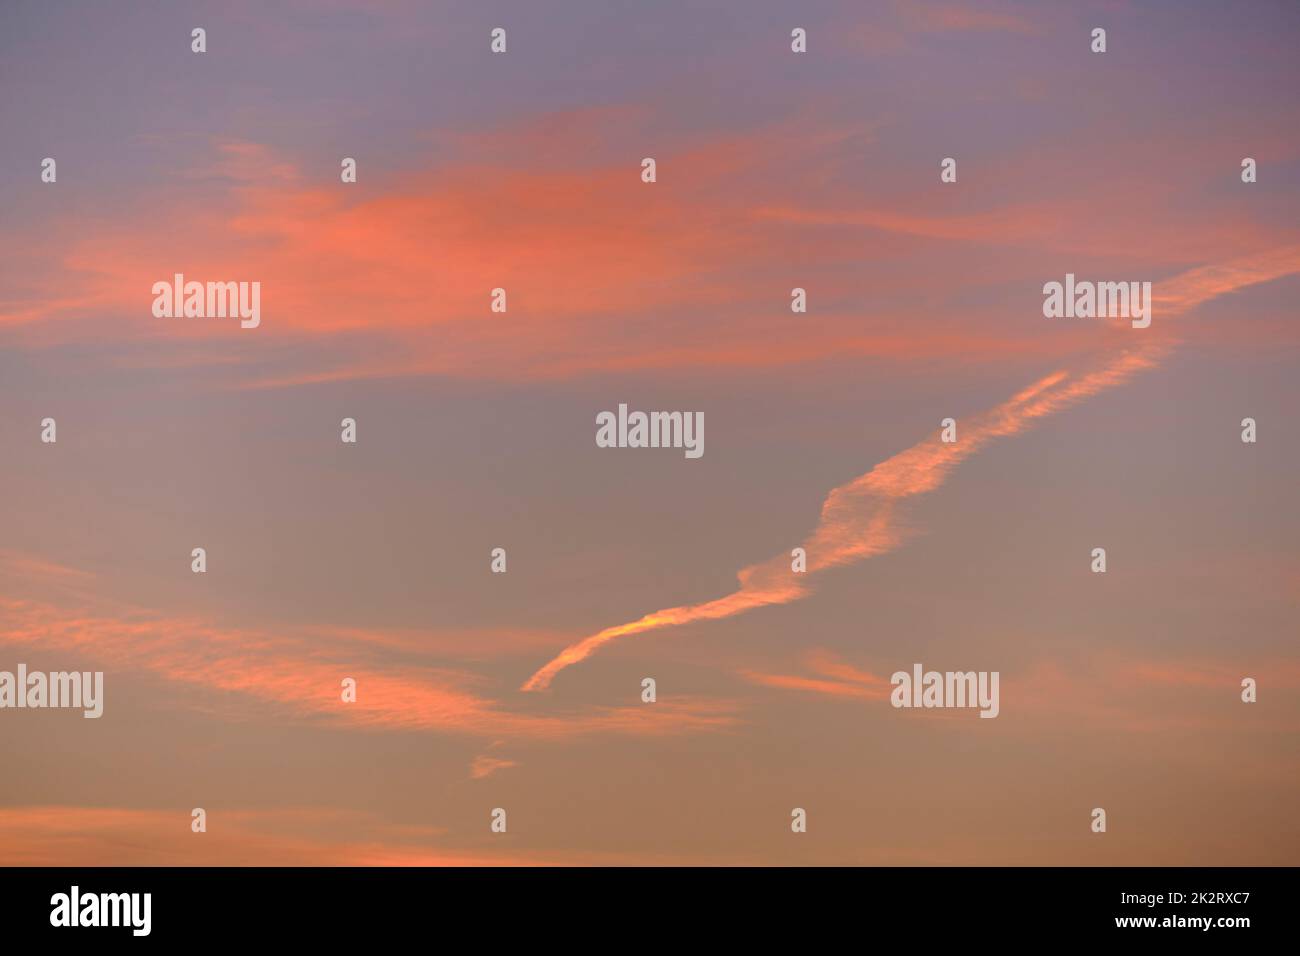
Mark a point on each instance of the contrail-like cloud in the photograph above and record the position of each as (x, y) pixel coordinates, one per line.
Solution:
(859, 519)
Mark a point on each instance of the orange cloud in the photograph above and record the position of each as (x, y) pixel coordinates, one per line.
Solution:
(1110, 690)
(839, 679)
(485, 765)
(302, 676)
(859, 519)
(29, 566)
(394, 279)
(1105, 689)
(422, 257)
(295, 836)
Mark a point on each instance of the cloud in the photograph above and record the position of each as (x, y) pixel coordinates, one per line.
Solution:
(301, 674)
(946, 17)
(29, 566)
(1117, 691)
(414, 261)
(293, 836)
(485, 765)
(837, 679)
(603, 273)
(860, 519)
(1106, 689)
(62, 835)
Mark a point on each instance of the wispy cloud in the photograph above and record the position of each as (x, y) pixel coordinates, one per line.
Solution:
(836, 678)
(59, 835)
(573, 241)
(955, 18)
(485, 765)
(1109, 689)
(301, 675)
(860, 519)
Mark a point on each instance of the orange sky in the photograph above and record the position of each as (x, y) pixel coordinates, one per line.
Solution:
(523, 690)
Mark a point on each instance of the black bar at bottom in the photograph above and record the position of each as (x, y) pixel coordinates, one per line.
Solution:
(642, 908)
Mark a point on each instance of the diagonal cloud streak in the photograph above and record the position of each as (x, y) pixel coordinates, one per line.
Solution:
(859, 520)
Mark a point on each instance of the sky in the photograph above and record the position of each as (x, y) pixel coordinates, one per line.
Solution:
(476, 430)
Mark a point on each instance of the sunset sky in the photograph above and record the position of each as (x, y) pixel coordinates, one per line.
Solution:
(476, 430)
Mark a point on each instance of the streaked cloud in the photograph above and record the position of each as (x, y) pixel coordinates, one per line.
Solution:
(56, 835)
(300, 676)
(835, 678)
(860, 519)
(485, 765)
